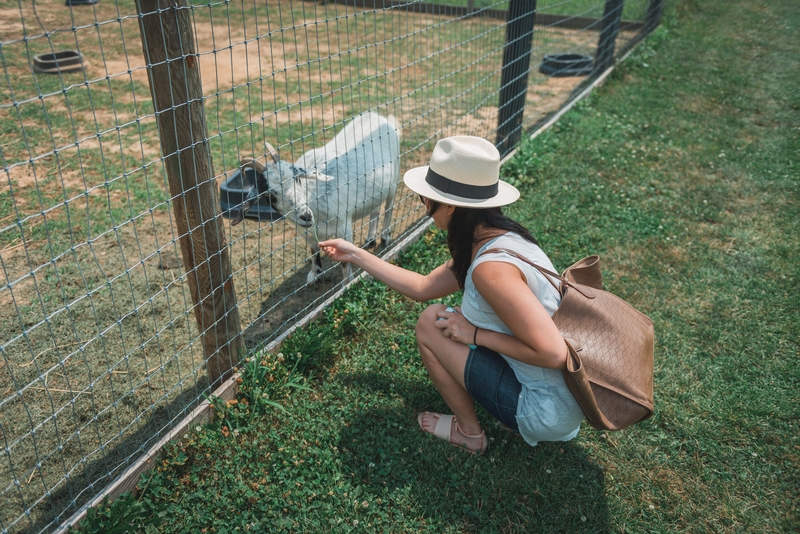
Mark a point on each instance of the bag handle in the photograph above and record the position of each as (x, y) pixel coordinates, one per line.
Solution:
(548, 274)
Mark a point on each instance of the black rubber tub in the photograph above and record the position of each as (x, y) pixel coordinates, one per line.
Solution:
(61, 61)
(566, 64)
(233, 192)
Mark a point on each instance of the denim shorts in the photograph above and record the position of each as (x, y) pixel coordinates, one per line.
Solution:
(493, 385)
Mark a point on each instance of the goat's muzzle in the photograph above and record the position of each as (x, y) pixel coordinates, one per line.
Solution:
(239, 217)
(305, 219)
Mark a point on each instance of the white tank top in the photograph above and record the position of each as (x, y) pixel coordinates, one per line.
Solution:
(546, 410)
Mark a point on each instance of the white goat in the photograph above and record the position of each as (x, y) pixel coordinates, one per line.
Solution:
(328, 187)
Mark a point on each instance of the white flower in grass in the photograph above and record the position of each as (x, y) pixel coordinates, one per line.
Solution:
(548, 471)
(652, 507)
(583, 518)
(355, 522)
(372, 464)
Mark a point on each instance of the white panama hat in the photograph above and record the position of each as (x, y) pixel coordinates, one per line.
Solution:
(464, 171)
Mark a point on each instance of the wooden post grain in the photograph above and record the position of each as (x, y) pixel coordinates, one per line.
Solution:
(174, 72)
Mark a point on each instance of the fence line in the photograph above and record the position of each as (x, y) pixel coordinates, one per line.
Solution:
(127, 292)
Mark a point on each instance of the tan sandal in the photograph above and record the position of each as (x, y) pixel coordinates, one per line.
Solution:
(447, 429)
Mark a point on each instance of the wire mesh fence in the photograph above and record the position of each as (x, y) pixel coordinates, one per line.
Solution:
(127, 292)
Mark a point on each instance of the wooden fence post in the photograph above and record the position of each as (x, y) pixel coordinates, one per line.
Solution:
(612, 17)
(173, 68)
(514, 76)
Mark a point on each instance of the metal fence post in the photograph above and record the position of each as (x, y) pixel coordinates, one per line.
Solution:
(612, 17)
(174, 73)
(653, 18)
(514, 77)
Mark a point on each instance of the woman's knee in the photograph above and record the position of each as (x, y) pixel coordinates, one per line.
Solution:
(426, 322)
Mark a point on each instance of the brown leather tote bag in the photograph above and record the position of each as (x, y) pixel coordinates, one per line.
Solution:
(610, 363)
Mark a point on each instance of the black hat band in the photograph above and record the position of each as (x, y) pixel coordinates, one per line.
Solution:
(451, 187)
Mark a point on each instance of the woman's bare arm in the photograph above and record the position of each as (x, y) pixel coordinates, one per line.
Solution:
(438, 283)
(536, 338)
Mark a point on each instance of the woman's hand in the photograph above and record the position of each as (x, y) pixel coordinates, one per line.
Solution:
(339, 250)
(439, 283)
(454, 326)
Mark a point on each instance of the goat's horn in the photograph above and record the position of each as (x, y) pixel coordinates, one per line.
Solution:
(255, 164)
(272, 152)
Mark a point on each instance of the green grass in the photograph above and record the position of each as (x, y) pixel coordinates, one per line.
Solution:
(94, 297)
(681, 172)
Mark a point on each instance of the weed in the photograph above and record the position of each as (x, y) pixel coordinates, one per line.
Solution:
(125, 515)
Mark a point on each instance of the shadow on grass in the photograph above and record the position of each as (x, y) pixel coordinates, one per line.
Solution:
(553, 487)
(292, 299)
(287, 303)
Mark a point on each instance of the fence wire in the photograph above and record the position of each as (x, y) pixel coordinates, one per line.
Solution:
(101, 353)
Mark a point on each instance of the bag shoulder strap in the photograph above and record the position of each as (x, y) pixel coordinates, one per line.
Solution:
(548, 274)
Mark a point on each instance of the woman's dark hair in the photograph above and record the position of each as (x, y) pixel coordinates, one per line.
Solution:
(463, 233)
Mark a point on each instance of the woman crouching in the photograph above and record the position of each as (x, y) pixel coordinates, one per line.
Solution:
(501, 347)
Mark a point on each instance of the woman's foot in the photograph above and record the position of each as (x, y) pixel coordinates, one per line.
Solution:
(446, 427)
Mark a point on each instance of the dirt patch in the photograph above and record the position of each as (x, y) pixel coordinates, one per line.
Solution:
(104, 119)
(548, 95)
(12, 24)
(17, 294)
(135, 148)
(226, 60)
(22, 176)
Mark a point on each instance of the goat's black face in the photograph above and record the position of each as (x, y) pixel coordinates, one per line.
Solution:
(286, 186)
(297, 172)
(258, 190)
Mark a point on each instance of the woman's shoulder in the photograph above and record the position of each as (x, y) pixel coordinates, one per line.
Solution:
(514, 242)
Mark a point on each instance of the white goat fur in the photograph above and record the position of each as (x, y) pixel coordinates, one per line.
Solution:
(352, 175)
(328, 187)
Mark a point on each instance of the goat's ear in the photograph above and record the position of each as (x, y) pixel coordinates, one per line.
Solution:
(272, 152)
(314, 175)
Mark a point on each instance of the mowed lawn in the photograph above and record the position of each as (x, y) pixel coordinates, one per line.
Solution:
(681, 171)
